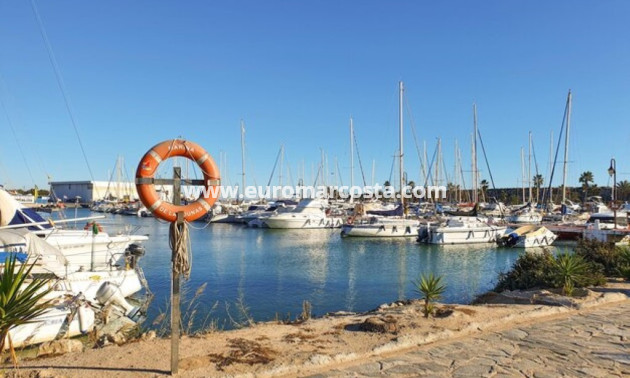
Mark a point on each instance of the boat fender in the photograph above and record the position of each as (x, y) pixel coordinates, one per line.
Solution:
(86, 318)
(148, 167)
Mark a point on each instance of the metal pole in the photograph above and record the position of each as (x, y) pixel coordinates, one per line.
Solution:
(566, 150)
(400, 136)
(474, 157)
(243, 159)
(529, 167)
(175, 295)
(351, 153)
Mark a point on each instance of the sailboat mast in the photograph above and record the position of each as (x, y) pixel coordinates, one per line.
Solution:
(351, 153)
(523, 172)
(529, 167)
(566, 149)
(400, 135)
(281, 161)
(551, 165)
(243, 159)
(438, 162)
(475, 174)
(373, 170)
(455, 176)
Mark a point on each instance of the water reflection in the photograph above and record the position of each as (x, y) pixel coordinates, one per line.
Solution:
(273, 271)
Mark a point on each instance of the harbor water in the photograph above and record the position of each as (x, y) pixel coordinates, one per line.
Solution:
(267, 274)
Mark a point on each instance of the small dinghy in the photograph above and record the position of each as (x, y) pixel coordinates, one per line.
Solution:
(528, 236)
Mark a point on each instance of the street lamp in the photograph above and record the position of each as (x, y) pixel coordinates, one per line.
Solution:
(612, 171)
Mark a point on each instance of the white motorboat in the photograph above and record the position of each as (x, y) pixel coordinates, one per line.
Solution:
(76, 295)
(50, 260)
(383, 223)
(383, 227)
(87, 248)
(529, 236)
(462, 230)
(256, 216)
(608, 220)
(309, 213)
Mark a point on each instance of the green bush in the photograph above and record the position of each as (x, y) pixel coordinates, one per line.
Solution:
(530, 271)
(606, 254)
(543, 270)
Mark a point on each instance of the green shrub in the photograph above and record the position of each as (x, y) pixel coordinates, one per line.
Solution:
(530, 271)
(606, 254)
(543, 271)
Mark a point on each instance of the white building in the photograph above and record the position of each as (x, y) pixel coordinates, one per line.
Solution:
(89, 191)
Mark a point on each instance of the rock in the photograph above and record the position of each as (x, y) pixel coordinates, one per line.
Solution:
(387, 324)
(59, 347)
(148, 335)
(119, 325)
(116, 338)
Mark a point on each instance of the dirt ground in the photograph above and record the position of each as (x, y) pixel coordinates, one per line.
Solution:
(274, 349)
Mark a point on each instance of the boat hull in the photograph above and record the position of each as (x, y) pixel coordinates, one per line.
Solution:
(380, 230)
(302, 223)
(451, 235)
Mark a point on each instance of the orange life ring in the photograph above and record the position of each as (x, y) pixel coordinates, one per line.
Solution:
(146, 188)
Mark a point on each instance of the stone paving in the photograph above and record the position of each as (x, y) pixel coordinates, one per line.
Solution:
(593, 344)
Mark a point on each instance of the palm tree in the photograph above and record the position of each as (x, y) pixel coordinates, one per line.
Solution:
(585, 179)
(484, 187)
(20, 301)
(623, 190)
(538, 181)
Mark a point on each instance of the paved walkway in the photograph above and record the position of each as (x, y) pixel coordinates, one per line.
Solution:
(594, 343)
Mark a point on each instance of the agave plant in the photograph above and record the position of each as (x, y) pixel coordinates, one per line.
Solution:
(431, 289)
(568, 270)
(21, 300)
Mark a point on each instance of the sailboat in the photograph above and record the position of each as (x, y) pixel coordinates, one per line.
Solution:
(461, 227)
(383, 224)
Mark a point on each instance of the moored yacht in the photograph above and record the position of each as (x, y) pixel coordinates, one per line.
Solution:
(309, 213)
(382, 224)
(462, 228)
(84, 249)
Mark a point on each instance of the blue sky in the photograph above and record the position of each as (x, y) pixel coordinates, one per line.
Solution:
(141, 72)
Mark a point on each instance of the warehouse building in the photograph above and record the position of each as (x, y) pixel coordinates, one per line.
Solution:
(90, 191)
